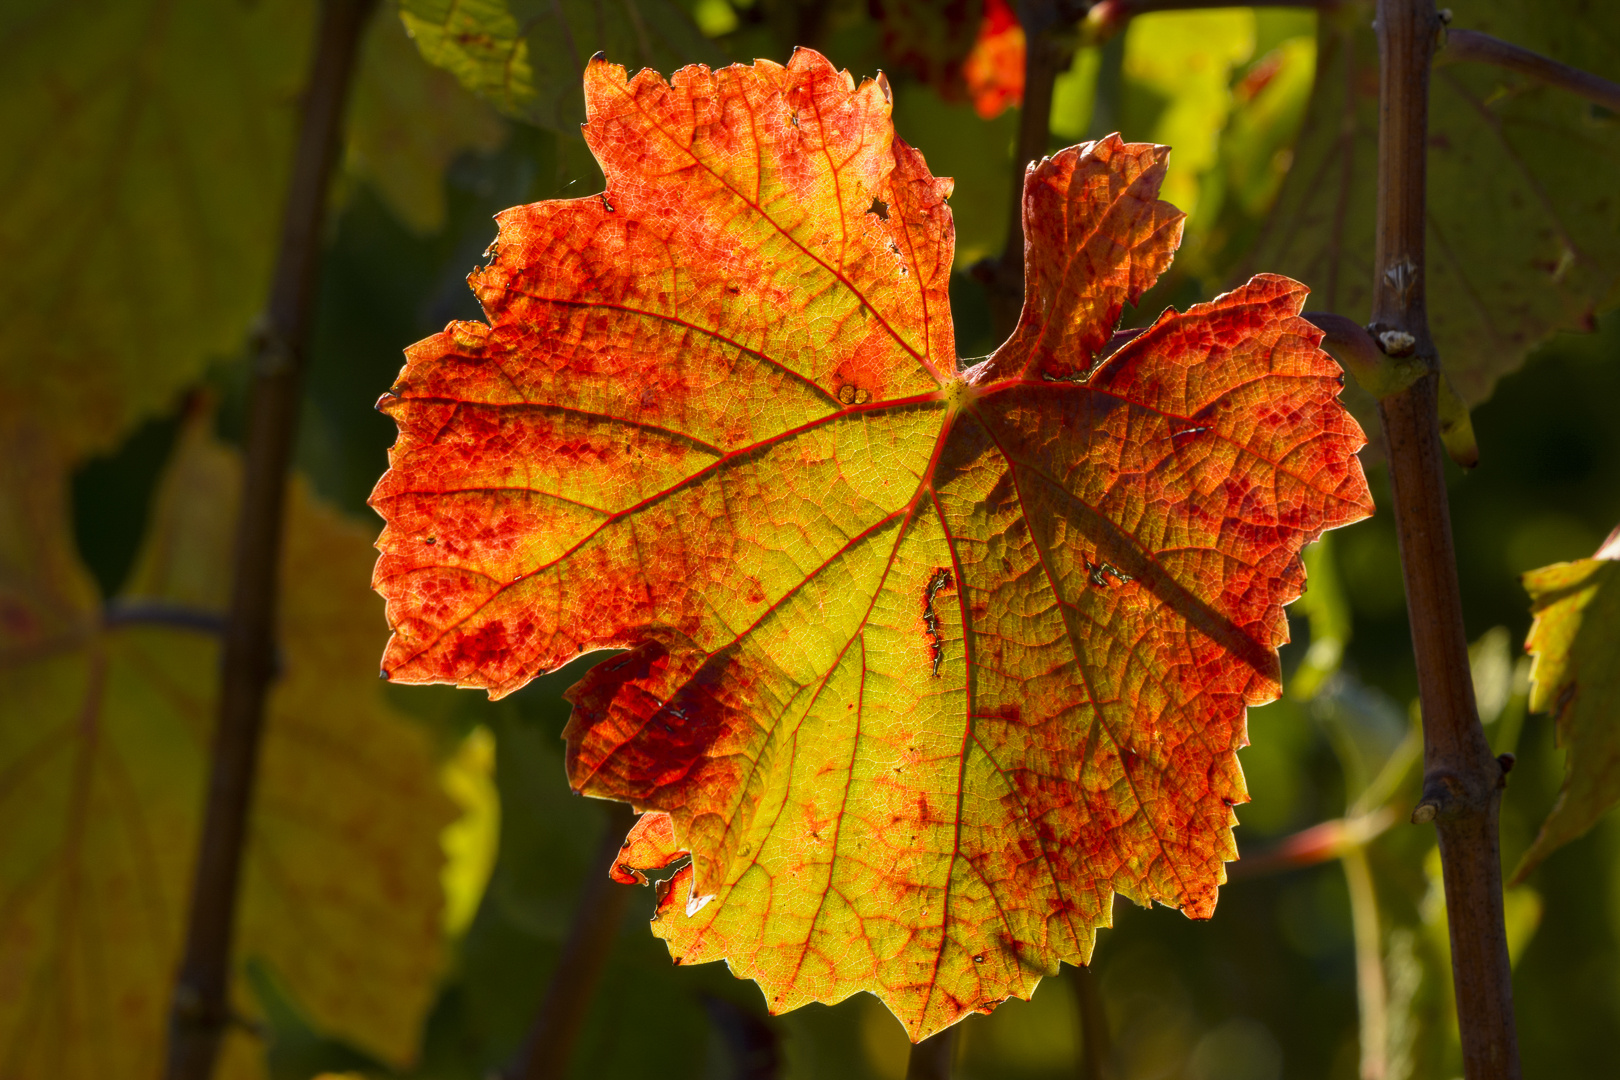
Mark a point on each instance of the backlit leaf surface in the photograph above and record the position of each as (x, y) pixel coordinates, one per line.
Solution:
(1575, 641)
(103, 762)
(924, 664)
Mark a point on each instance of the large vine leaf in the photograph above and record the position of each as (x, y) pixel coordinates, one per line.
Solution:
(1549, 257)
(103, 763)
(526, 56)
(924, 664)
(1574, 639)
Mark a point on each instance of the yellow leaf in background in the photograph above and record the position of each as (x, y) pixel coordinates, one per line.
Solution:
(471, 841)
(1574, 641)
(148, 146)
(1187, 58)
(103, 758)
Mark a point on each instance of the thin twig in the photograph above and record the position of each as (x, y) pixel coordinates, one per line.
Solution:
(1474, 45)
(931, 1059)
(1318, 844)
(201, 1008)
(598, 914)
(1372, 995)
(1463, 783)
(120, 613)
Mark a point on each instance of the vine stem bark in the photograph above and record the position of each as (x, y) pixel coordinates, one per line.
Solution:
(598, 914)
(1462, 782)
(201, 1010)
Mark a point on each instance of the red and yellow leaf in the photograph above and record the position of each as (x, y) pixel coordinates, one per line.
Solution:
(923, 664)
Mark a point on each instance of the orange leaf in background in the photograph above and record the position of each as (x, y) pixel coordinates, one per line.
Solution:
(994, 70)
(924, 664)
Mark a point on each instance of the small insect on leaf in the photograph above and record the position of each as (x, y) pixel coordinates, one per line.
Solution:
(922, 665)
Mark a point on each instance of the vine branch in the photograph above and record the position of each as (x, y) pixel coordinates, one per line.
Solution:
(118, 613)
(1463, 783)
(201, 1010)
(1477, 46)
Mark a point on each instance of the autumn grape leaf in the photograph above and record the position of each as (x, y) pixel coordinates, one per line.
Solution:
(924, 664)
(103, 761)
(1574, 641)
(1550, 259)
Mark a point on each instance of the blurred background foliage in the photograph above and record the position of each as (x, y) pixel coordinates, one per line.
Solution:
(1268, 989)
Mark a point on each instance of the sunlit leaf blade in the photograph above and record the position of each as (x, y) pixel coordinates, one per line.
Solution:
(923, 666)
(1575, 642)
(1535, 163)
(103, 762)
(526, 56)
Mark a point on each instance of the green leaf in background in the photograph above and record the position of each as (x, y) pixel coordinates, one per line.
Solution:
(409, 120)
(527, 57)
(547, 840)
(141, 199)
(1524, 223)
(1178, 67)
(148, 145)
(1328, 610)
(1227, 91)
(104, 757)
(1575, 641)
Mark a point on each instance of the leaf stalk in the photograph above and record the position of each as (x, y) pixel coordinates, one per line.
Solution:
(201, 1010)
(931, 1059)
(1382, 373)
(1463, 782)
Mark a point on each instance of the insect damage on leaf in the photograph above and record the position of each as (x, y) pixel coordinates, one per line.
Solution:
(924, 665)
